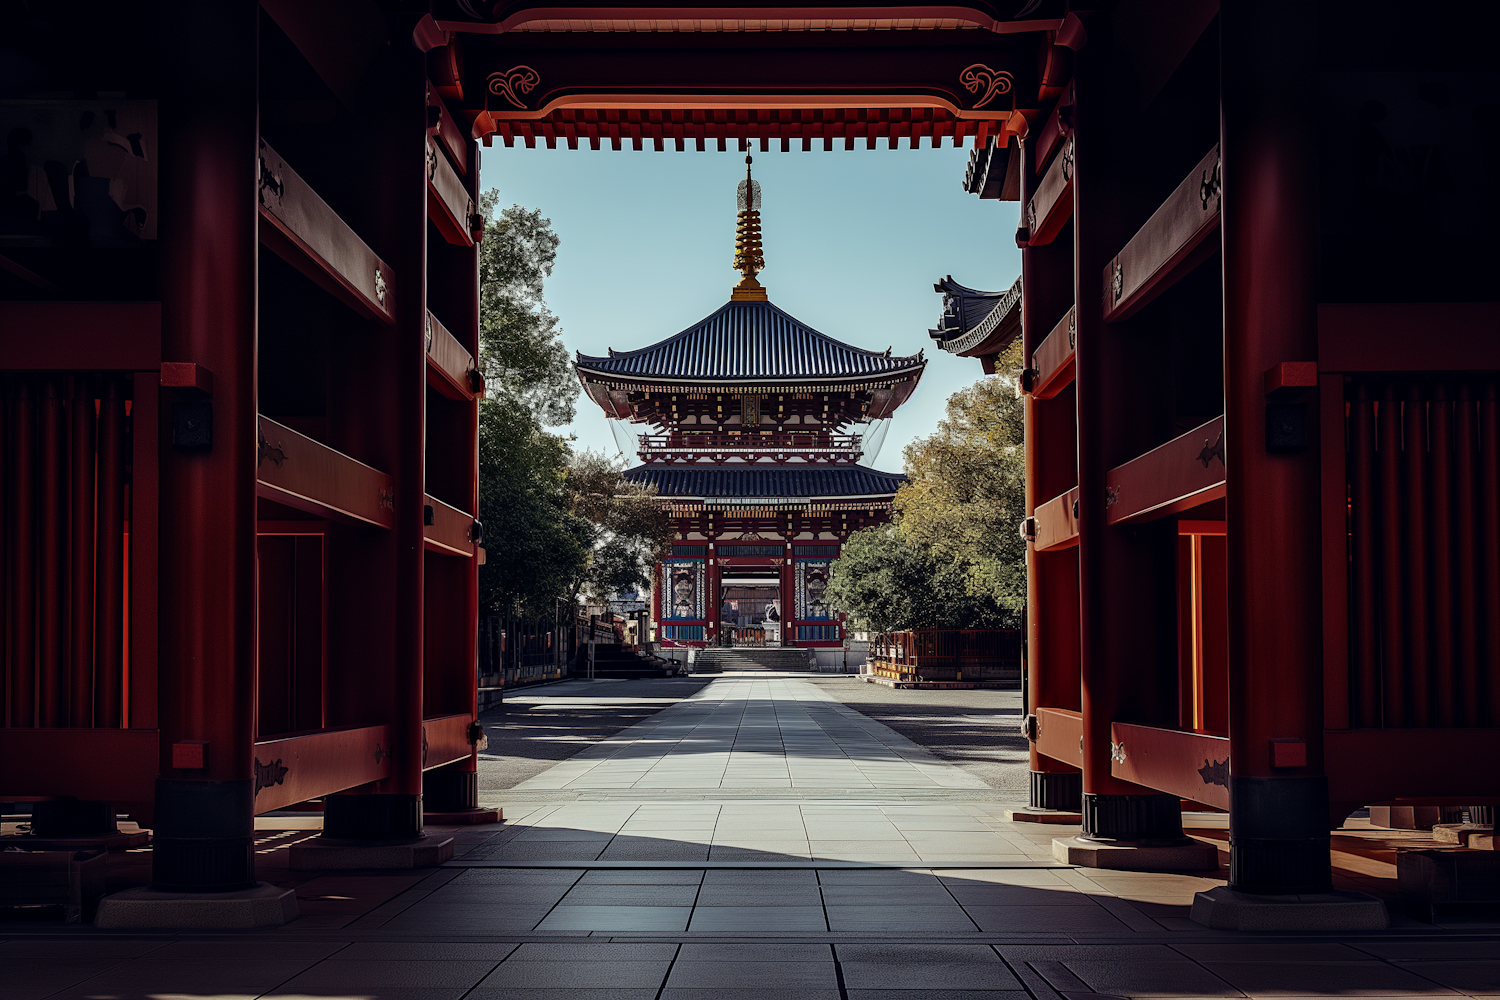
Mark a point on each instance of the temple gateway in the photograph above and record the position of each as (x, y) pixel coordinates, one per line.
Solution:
(752, 426)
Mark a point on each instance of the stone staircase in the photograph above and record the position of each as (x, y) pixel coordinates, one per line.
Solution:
(613, 660)
(715, 660)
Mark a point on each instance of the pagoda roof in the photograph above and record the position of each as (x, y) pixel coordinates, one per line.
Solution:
(754, 482)
(976, 323)
(749, 340)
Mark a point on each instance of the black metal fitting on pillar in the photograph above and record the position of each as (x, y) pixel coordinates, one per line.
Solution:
(1132, 817)
(372, 818)
(1278, 835)
(202, 840)
(1056, 790)
(450, 791)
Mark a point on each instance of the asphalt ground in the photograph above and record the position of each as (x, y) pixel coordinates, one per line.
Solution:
(536, 727)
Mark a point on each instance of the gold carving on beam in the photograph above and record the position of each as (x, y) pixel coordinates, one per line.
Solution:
(514, 83)
(980, 77)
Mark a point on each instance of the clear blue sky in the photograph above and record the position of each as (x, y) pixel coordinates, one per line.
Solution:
(853, 242)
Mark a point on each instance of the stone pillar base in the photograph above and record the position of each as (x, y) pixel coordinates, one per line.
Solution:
(1185, 855)
(1058, 816)
(263, 906)
(324, 854)
(1224, 909)
(463, 817)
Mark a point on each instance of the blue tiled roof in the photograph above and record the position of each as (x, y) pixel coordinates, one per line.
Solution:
(761, 481)
(748, 340)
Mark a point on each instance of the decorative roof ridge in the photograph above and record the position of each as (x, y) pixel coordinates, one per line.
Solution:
(1005, 302)
(744, 304)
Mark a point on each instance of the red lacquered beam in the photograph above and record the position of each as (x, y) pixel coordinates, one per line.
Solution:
(1409, 337)
(1057, 522)
(1183, 473)
(296, 470)
(299, 226)
(297, 768)
(1440, 417)
(451, 531)
(23, 555)
(1394, 701)
(101, 335)
(1053, 358)
(1489, 508)
(102, 765)
(1466, 531)
(1363, 572)
(109, 559)
(441, 126)
(448, 203)
(1171, 243)
(450, 367)
(1375, 765)
(445, 739)
(1192, 766)
(51, 584)
(1059, 735)
(81, 560)
(1414, 478)
(1052, 205)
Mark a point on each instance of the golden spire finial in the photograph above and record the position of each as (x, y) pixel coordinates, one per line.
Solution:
(748, 259)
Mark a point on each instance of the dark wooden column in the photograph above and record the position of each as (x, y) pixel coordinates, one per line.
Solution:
(1127, 575)
(396, 402)
(1278, 815)
(204, 819)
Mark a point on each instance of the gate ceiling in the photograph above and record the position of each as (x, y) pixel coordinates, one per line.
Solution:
(706, 75)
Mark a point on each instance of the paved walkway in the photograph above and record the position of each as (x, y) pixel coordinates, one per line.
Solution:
(754, 842)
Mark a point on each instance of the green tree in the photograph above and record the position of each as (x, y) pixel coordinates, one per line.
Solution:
(966, 494)
(952, 556)
(629, 529)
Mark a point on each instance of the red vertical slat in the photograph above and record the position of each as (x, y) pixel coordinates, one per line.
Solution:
(1440, 553)
(1364, 574)
(1392, 600)
(109, 564)
(1418, 600)
(23, 555)
(1489, 507)
(81, 559)
(1466, 540)
(52, 519)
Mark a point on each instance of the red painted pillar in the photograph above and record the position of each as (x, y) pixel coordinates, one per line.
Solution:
(109, 559)
(1278, 815)
(1051, 467)
(397, 432)
(204, 822)
(1127, 575)
(52, 636)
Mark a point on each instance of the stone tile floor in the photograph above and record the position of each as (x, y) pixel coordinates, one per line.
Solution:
(903, 881)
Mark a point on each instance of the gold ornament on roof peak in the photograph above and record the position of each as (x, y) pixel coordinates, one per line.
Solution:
(748, 259)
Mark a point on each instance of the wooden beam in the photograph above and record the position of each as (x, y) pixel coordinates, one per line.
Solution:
(297, 768)
(1415, 336)
(1171, 243)
(295, 470)
(1181, 474)
(448, 530)
(1057, 522)
(1189, 765)
(1053, 358)
(1059, 735)
(103, 765)
(1377, 765)
(1052, 205)
(448, 203)
(441, 126)
(301, 228)
(450, 368)
(445, 739)
(124, 336)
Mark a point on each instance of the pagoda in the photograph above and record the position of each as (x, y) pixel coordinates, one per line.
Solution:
(752, 426)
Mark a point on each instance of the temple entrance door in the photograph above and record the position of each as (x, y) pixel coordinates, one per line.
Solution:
(750, 611)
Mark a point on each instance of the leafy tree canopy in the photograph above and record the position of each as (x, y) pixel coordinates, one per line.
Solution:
(952, 557)
(629, 528)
